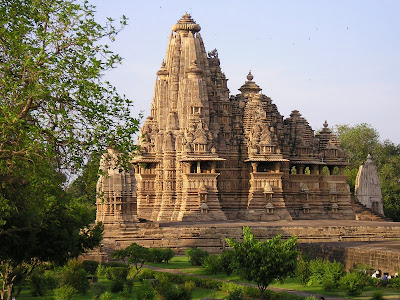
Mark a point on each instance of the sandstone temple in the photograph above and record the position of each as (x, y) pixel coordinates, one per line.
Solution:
(206, 155)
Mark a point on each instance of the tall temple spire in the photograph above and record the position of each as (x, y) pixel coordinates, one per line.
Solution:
(180, 127)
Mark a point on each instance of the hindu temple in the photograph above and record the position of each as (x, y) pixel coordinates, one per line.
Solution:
(210, 162)
(208, 155)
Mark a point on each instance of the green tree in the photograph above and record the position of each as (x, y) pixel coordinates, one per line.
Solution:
(263, 262)
(83, 188)
(55, 109)
(43, 224)
(360, 140)
(135, 256)
(357, 142)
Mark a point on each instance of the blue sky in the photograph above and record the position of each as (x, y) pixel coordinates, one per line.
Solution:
(332, 60)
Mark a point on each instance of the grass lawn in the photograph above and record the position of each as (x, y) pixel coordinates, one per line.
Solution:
(177, 262)
(182, 263)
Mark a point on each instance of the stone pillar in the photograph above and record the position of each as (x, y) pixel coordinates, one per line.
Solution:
(314, 169)
(213, 167)
(341, 170)
(300, 169)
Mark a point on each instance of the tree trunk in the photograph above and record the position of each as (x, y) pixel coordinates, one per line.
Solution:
(9, 291)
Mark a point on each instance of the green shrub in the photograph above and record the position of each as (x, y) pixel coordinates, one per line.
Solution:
(363, 268)
(212, 264)
(129, 285)
(196, 256)
(90, 266)
(190, 286)
(354, 282)
(317, 270)
(145, 292)
(65, 292)
(101, 270)
(156, 255)
(41, 282)
(303, 271)
(124, 296)
(226, 262)
(236, 294)
(74, 275)
(117, 286)
(98, 288)
(107, 272)
(251, 292)
(106, 296)
(326, 273)
(146, 274)
(377, 295)
(333, 273)
(168, 254)
(395, 282)
(118, 273)
(170, 291)
(310, 298)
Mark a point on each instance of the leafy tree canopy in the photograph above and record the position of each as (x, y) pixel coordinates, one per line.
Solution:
(360, 140)
(263, 262)
(55, 109)
(135, 256)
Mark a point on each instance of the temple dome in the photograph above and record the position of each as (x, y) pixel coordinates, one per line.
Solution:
(186, 23)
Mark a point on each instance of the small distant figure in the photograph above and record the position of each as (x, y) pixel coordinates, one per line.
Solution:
(377, 274)
(322, 298)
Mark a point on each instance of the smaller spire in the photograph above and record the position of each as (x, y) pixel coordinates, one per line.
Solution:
(326, 129)
(163, 72)
(194, 69)
(250, 87)
(369, 159)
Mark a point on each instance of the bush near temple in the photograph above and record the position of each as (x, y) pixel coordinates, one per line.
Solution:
(196, 256)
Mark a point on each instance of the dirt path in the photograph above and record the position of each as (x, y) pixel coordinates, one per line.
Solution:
(299, 293)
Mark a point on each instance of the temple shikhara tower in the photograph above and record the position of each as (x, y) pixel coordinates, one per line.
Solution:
(207, 155)
(368, 189)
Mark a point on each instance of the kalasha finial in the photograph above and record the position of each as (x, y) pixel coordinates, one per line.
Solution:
(163, 72)
(325, 124)
(250, 76)
(186, 23)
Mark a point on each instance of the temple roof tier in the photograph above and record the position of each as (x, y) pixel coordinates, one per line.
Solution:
(183, 159)
(307, 162)
(267, 159)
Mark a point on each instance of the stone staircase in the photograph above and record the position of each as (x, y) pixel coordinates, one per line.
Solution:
(365, 214)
